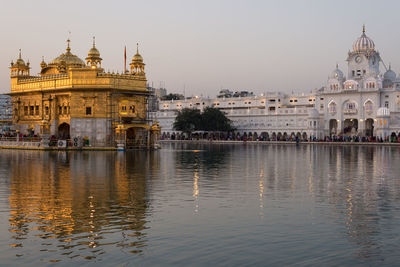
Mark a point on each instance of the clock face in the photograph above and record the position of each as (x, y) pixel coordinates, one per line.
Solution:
(358, 59)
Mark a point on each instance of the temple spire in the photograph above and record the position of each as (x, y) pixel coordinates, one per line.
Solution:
(94, 41)
(363, 30)
(68, 47)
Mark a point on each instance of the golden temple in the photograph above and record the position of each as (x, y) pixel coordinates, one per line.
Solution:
(76, 100)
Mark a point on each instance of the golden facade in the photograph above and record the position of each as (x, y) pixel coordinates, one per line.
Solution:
(71, 98)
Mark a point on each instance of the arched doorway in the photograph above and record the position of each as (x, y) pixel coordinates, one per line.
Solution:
(350, 127)
(63, 131)
(279, 136)
(332, 127)
(136, 137)
(304, 136)
(369, 127)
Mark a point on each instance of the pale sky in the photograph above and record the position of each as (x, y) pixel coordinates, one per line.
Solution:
(204, 45)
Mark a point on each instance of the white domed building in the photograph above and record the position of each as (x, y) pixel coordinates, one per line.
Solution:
(364, 103)
(359, 98)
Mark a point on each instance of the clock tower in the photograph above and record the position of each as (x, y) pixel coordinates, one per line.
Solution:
(363, 61)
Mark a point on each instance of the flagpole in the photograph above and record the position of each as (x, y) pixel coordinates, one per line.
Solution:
(125, 60)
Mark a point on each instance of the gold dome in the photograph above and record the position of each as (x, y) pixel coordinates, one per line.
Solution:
(93, 52)
(137, 58)
(68, 59)
(20, 61)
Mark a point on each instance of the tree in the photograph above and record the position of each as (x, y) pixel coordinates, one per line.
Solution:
(172, 96)
(187, 120)
(213, 119)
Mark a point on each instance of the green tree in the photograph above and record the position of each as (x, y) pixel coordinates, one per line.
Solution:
(187, 120)
(172, 96)
(213, 119)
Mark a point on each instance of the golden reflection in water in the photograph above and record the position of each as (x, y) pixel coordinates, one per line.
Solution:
(196, 190)
(75, 201)
(261, 189)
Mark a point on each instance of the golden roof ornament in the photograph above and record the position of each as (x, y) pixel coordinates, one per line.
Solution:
(137, 58)
(43, 63)
(20, 61)
(67, 59)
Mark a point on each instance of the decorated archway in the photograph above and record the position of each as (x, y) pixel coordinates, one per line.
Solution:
(350, 127)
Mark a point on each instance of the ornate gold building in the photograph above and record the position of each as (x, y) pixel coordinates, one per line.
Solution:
(73, 99)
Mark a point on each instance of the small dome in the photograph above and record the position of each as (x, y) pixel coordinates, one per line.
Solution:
(313, 114)
(68, 59)
(389, 75)
(383, 112)
(137, 58)
(363, 43)
(337, 74)
(93, 52)
(20, 61)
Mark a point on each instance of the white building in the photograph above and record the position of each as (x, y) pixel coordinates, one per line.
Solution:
(365, 103)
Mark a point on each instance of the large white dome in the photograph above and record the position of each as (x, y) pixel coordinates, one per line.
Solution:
(363, 43)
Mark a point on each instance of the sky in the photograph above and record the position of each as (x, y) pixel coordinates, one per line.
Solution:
(200, 47)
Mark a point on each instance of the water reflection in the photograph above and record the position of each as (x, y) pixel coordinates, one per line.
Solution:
(277, 204)
(77, 204)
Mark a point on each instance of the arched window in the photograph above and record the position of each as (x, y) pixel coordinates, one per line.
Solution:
(368, 107)
(332, 107)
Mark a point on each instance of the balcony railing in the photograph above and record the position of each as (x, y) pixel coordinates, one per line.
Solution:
(350, 111)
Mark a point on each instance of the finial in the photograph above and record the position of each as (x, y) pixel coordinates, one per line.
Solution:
(20, 53)
(363, 28)
(68, 48)
(94, 41)
(137, 48)
(390, 66)
(42, 58)
(337, 65)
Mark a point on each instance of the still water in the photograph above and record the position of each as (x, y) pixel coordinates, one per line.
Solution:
(215, 205)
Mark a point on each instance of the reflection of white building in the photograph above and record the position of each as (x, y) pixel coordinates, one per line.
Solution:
(364, 103)
(5, 113)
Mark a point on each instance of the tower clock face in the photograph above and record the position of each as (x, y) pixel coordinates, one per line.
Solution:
(358, 59)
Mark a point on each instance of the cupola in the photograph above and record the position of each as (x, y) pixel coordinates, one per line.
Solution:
(363, 43)
(93, 59)
(137, 65)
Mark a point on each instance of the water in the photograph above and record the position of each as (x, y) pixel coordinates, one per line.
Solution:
(199, 205)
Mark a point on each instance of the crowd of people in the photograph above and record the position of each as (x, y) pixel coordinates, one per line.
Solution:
(291, 138)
